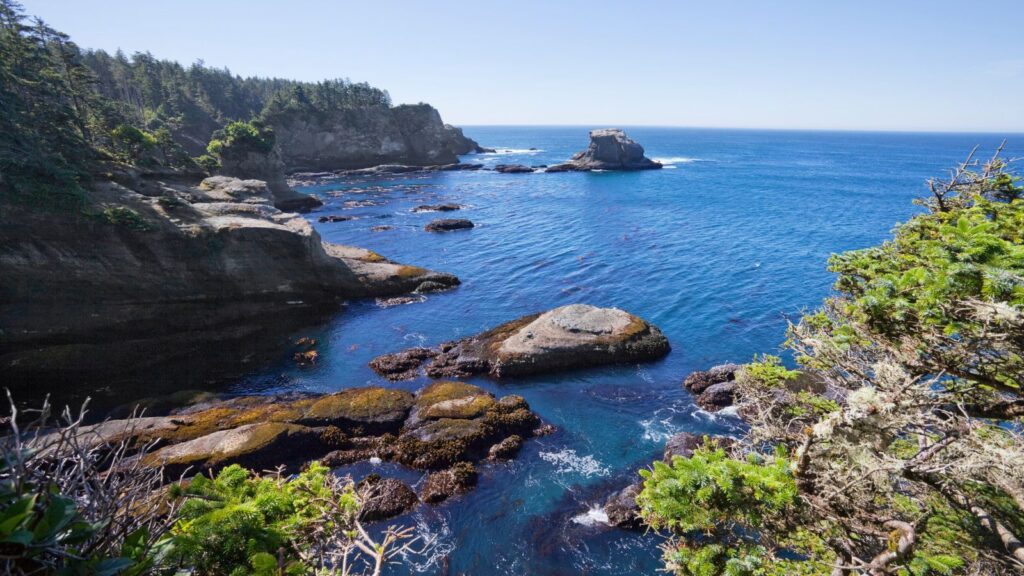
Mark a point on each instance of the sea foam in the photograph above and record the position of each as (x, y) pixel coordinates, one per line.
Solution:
(568, 462)
(592, 517)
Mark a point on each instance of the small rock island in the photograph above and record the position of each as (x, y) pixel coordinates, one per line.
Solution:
(610, 149)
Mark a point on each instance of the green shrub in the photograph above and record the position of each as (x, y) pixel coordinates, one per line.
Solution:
(126, 217)
(238, 138)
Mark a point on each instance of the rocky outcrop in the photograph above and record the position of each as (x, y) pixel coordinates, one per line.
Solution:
(268, 167)
(154, 271)
(448, 224)
(684, 444)
(610, 149)
(369, 136)
(445, 426)
(622, 509)
(714, 388)
(573, 336)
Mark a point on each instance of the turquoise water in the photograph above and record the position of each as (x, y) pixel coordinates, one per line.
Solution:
(717, 250)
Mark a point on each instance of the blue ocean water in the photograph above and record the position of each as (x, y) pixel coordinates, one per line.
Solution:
(718, 249)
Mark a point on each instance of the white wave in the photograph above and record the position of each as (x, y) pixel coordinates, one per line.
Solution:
(727, 412)
(500, 151)
(669, 160)
(595, 515)
(669, 167)
(656, 430)
(568, 462)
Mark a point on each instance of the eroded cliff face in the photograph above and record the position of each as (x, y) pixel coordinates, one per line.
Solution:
(370, 136)
(152, 271)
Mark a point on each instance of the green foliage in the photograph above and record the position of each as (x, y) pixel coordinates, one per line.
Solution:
(207, 162)
(238, 523)
(918, 287)
(769, 371)
(716, 505)
(709, 491)
(239, 138)
(125, 217)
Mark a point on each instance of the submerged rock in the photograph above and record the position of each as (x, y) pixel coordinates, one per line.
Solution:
(448, 224)
(442, 485)
(610, 149)
(573, 336)
(335, 218)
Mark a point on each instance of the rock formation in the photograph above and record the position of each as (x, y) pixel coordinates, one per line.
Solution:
(573, 336)
(448, 224)
(267, 166)
(610, 149)
(149, 269)
(714, 388)
(369, 136)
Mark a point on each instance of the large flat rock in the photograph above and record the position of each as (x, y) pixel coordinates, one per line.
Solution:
(574, 336)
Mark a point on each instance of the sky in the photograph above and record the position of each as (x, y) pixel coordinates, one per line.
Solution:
(935, 65)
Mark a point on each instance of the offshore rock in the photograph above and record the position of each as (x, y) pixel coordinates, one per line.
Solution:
(448, 224)
(610, 149)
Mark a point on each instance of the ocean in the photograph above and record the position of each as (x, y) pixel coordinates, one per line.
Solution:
(719, 250)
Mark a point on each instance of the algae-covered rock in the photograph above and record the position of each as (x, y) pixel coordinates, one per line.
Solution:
(256, 446)
(372, 408)
(439, 486)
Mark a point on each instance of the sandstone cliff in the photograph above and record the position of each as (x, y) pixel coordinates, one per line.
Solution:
(368, 136)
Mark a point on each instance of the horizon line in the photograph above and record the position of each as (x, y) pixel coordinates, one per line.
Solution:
(596, 126)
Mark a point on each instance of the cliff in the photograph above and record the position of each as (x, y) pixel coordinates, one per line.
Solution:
(153, 270)
(366, 136)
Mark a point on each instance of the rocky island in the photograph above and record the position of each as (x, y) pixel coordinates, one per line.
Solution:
(610, 149)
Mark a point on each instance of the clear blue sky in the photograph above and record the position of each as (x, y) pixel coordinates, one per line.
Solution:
(865, 64)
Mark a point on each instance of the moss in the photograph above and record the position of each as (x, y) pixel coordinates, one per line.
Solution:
(493, 338)
(410, 272)
(445, 390)
(470, 407)
(635, 328)
(360, 404)
(518, 420)
(245, 411)
(126, 218)
(372, 256)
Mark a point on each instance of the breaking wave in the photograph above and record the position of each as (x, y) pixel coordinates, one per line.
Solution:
(568, 462)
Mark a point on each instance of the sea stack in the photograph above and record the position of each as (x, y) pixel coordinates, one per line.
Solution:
(610, 149)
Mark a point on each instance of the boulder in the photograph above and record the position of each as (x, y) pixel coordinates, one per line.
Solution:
(701, 380)
(384, 498)
(513, 169)
(402, 365)
(442, 485)
(717, 396)
(448, 224)
(574, 336)
(610, 149)
(622, 509)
